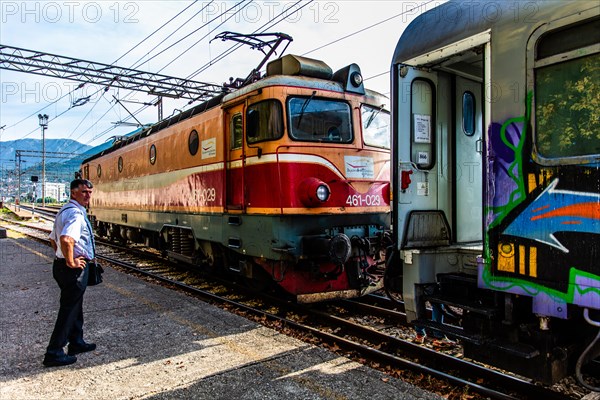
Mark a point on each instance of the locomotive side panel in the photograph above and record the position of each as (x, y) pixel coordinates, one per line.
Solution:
(159, 172)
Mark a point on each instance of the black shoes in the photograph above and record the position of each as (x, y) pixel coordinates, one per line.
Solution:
(59, 361)
(81, 348)
(69, 358)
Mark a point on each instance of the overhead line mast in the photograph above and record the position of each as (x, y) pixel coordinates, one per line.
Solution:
(46, 64)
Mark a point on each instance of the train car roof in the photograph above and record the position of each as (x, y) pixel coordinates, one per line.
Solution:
(462, 19)
(295, 81)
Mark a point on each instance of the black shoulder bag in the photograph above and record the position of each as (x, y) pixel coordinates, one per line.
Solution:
(95, 271)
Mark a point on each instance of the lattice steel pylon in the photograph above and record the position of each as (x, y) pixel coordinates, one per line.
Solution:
(46, 64)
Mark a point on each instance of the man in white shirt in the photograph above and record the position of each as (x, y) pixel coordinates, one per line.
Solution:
(73, 243)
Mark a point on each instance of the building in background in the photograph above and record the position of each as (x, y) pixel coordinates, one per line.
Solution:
(53, 190)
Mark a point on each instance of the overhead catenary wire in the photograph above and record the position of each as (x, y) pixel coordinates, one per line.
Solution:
(134, 64)
(136, 112)
(232, 49)
(261, 29)
(82, 84)
(155, 31)
(368, 27)
(212, 30)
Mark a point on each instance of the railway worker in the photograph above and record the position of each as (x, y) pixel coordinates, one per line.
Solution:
(73, 244)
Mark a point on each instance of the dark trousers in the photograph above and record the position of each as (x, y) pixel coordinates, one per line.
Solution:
(69, 322)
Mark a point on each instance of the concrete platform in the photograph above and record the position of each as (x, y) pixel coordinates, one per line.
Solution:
(21, 213)
(154, 343)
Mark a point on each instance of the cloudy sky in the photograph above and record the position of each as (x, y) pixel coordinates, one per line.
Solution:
(124, 33)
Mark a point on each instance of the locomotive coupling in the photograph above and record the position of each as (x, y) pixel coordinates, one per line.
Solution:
(340, 249)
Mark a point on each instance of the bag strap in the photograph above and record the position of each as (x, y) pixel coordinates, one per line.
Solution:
(87, 221)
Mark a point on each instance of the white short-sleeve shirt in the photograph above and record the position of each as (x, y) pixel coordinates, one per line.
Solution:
(72, 221)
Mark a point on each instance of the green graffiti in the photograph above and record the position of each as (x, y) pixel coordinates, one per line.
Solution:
(505, 284)
(515, 170)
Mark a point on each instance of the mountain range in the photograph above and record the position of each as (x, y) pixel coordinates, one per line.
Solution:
(63, 157)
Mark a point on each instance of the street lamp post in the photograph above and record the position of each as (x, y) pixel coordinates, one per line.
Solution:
(18, 161)
(43, 124)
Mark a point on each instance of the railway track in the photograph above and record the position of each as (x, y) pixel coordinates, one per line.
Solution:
(365, 329)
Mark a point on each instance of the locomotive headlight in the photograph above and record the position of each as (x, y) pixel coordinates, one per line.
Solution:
(356, 78)
(313, 192)
(323, 192)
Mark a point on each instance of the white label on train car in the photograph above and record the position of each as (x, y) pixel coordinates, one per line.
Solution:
(422, 189)
(359, 167)
(422, 128)
(209, 148)
(423, 158)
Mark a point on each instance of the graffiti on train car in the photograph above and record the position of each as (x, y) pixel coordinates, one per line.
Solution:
(538, 222)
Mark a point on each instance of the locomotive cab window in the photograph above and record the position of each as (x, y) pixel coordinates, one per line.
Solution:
(422, 123)
(237, 131)
(566, 73)
(376, 126)
(319, 120)
(264, 121)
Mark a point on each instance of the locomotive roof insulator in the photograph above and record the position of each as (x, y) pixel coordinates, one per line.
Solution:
(350, 76)
(297, 65)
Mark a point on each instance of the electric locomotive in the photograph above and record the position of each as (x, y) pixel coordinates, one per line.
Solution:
(284, 180)
(496, 181)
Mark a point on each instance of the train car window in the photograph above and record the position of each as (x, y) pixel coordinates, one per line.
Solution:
(319, 120)
(237, 131)
(375, 126)
(264, 121)
(422, 123)
(99, 171)
(468, 113)
(120, 164)
(193, 142)
(152, 154)
(568, 39)
(567, 124)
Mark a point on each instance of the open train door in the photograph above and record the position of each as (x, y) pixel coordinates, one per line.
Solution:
(439, 145)
(468, 187)
(414, 153)
(234, 163)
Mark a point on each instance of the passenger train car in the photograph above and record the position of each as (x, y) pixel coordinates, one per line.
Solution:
(496, 179)
(284, 180)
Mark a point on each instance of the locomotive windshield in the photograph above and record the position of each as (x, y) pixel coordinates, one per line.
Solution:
(376, 126)
(319, 120)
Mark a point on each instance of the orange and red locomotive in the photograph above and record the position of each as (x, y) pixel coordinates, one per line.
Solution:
(286, 179)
